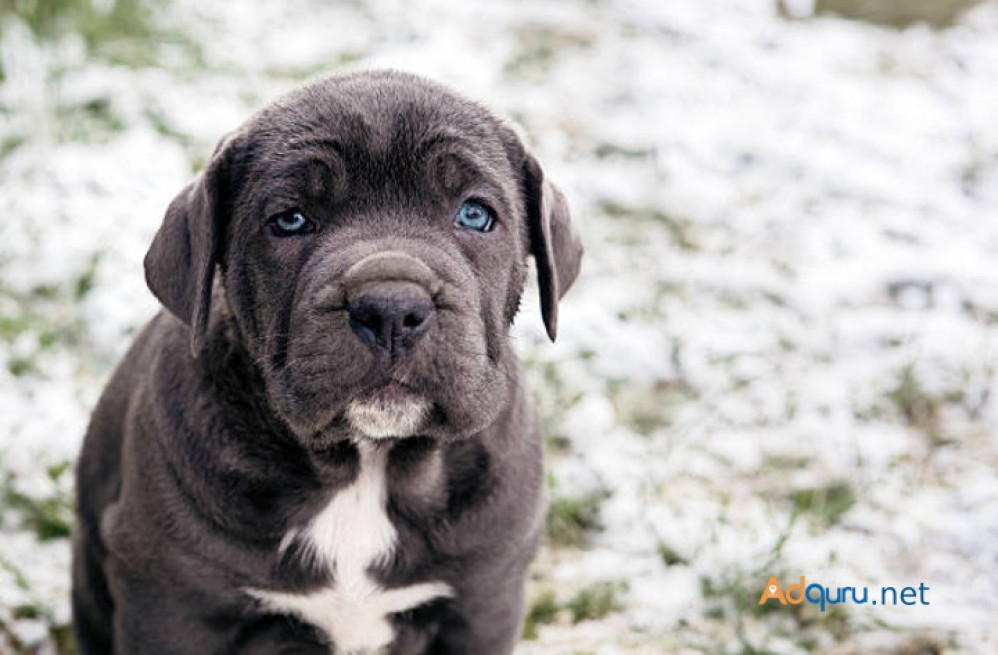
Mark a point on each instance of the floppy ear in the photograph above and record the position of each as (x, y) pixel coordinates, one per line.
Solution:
(554, 243)
(180, 263)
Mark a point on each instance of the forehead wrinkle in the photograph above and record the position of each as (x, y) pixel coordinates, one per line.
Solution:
(306, 167)
(309, 149)
(385, 143)
(477, 158)
(284, 178)
(307, 142)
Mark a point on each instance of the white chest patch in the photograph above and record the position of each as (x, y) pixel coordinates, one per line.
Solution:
(351, 534)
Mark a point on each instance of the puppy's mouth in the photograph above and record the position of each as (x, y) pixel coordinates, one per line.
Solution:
(390, 411)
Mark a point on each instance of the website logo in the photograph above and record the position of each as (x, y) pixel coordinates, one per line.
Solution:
(823, 596)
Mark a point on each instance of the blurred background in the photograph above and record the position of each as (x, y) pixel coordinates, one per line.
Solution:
(780, 358)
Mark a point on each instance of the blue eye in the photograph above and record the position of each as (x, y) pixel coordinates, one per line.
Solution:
(291, 222)
(474, 216)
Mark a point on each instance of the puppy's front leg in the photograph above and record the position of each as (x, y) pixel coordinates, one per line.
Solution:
(153, 619)
(488, 616)
(92, 606)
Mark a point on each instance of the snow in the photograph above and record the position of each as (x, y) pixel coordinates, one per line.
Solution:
(790, 287)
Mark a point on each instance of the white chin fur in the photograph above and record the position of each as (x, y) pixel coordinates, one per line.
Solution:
(380, 419)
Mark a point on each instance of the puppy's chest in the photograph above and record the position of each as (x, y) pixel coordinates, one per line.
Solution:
(349, 537)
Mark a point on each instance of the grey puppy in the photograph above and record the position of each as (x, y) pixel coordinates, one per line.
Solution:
(324, 443)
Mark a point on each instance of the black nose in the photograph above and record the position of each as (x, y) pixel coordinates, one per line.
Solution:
(391, 316)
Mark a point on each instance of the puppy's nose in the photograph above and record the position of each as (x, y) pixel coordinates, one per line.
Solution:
(391, 316)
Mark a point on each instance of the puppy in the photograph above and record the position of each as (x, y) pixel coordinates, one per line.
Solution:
(324, 444)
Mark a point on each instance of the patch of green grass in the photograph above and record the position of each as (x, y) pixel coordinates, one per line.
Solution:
(732, 594)
(733, 597)
(85, 282)
(826, 504)
(96, 22)
(540, 46)
(61, 634)
(553, 396)
(25, 612)
(45, 292)
(50, 518)
(922, 645)
(15, 573)
(596, 600)
(680, 230)
(570, 518)
(646, 408)
(303, 74)
(65, 641)
(897, 13)
(558, 444)
(91, 121)
(25, 317)
(669, 555)
(784, 462)
(592, 602)
(980, 313)
(121, 32)
(613, 150)
(56, 471)
(920, 408)
(48, 313)
(731, 300)
(11, 142)
(834, 621)
(542, 610)
(917, 406)
(20, 366)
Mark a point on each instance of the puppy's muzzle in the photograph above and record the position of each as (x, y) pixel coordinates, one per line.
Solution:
(390, 300)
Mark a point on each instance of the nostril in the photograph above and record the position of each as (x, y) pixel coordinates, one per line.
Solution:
(365, 316)
(370, 320)
(413, 320)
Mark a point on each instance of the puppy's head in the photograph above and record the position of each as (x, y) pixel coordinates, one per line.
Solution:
(371, 235)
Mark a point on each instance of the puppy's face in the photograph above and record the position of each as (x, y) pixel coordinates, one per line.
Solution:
(372, 234)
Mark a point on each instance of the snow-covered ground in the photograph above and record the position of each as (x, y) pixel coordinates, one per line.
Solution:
(780, 359)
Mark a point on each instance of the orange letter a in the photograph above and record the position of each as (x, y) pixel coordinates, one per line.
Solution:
(772, 590)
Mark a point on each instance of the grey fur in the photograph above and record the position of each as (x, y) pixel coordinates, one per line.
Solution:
(223, 428)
